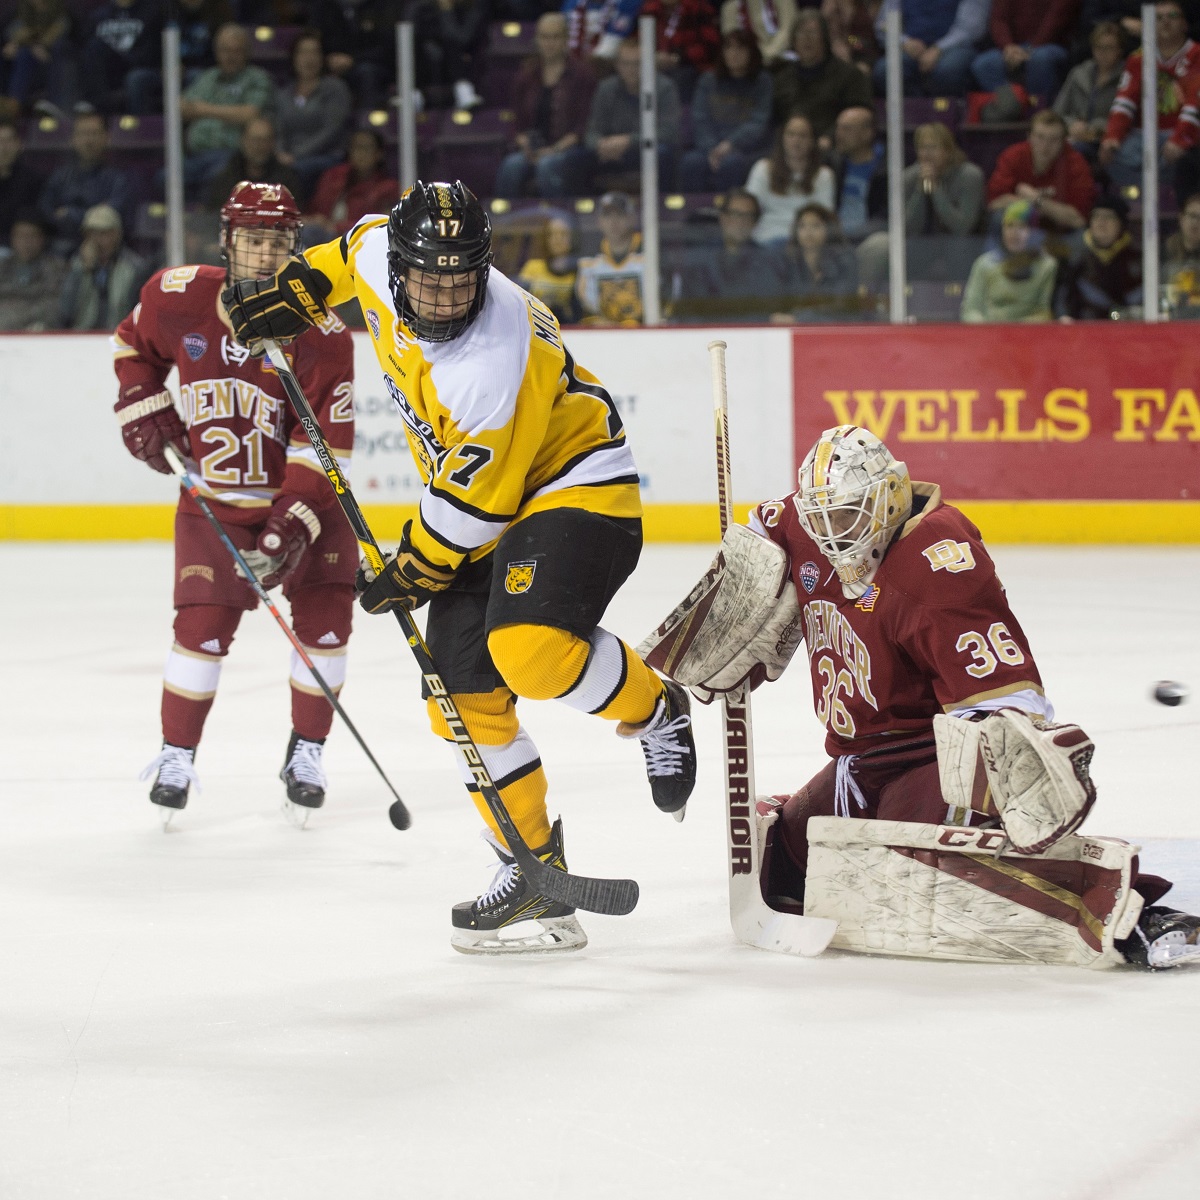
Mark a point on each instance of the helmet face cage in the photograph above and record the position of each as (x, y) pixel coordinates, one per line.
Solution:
(853, 498)
(268, 221)
(439, 257)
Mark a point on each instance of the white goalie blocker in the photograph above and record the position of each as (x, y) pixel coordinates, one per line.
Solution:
(945, 891)
(740, 623)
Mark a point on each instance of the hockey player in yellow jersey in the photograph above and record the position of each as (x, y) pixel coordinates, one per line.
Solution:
(529, 521)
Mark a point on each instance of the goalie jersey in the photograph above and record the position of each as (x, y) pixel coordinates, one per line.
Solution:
(501, 421)
(247, 443)
(933, 633)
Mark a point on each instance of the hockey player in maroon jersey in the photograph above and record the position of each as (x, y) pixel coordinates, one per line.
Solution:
(936, 726)
(257, 470)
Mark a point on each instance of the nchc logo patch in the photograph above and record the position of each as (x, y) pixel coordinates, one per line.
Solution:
(195, 344)
(810, 574)
(373, 321)
(520, 577)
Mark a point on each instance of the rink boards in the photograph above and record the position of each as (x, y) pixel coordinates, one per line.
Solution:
(1079, 433)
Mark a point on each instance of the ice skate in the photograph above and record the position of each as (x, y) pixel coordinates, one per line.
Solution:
(174, 773)
(1163, 938)
(670, 749)
(304, 778)
(511, 918)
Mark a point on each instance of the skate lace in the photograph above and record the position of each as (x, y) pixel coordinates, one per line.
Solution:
(664, 750)
(845, 786)
(174, 768)
(305, 764)
(503, 882)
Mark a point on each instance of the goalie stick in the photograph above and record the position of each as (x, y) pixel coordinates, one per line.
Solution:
(613, 897)
(753, 921)
(398, 812)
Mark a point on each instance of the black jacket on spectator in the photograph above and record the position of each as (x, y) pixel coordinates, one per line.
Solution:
(196, 32)
(120, 39)
(364, 31)
(1099, 281)
(73, 189)
(449, 40)
(743, 284)
(820, 92)
(831, 296)
(18, 189)
(236, 170)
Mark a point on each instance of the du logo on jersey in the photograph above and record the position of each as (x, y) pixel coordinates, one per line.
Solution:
(373, 320)
(520, 577)
(195, 344)
(810, 575)
(233, 353)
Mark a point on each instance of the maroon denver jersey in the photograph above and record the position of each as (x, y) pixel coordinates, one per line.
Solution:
(247, 443)
(933, 633)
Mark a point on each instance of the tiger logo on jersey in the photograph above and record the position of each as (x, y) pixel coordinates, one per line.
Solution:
(520, 577)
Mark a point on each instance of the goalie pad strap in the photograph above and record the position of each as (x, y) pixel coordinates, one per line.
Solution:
(741, 618)
(941, 891)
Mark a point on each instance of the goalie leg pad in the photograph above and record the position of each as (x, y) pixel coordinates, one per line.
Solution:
(740, 622)
(940, 891)
(1036, 773)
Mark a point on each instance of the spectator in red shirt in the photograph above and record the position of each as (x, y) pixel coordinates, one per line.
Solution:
(1178, 116)
(349, 191)
(551, 96)
(1029, 46)
(687, 40)
(1044, 170)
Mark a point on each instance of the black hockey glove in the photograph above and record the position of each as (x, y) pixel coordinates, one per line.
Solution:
(407, 581)
(282, 307)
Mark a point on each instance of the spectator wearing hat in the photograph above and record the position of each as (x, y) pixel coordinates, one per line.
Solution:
(731, 118)
(615, 122)
(551, 98)
(1051, 175)
(86, 180)
(735, 280)
(1105, 278)
(31, 277)
(105, 276)
(19, 183)
(1015, 281)
(609, 284)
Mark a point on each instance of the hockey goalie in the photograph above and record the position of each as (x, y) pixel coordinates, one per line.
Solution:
(943, 825)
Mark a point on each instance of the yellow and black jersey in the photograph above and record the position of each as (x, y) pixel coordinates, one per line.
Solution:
(502, 421)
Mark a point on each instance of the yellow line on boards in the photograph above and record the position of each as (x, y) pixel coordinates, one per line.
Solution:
(1128, 522)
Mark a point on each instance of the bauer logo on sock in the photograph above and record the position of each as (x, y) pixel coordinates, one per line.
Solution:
(520, 577)
(809, 576)
(195, 344)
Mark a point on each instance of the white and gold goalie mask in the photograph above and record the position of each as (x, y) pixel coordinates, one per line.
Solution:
(853, 498)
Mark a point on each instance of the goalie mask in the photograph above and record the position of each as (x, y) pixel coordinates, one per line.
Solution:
(853, 498)
(439, 255)
(260, 230)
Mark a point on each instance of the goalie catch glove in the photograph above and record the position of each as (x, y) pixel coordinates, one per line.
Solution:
(408, 579)
(149, 423)
(290, 529)
(281, 307)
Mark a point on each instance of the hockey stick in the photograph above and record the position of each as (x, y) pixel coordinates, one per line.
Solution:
(611, 896)
(398, 812)
(753, 921)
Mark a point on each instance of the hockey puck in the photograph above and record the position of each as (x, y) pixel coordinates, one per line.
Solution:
(1170, 693)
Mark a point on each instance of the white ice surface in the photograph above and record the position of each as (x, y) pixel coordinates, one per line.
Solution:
(237, 1009)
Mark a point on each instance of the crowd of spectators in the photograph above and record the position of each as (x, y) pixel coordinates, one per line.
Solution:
(766, 120)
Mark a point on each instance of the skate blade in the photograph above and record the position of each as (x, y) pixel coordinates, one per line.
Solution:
(166, 814)
(296, 815)
(1175, 953)
(680, 813)
(554, 935)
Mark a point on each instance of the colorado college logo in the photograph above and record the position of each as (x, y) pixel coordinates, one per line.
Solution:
(195, 344)
(520, 577)
(809, 575)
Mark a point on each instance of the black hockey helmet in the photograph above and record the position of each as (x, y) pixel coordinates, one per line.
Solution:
(441, 229)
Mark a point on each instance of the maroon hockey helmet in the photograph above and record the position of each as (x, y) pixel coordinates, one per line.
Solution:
(269, 206)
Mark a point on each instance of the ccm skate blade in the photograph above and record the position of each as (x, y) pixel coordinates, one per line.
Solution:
(680, 813)
(551, 935)
(296, 815)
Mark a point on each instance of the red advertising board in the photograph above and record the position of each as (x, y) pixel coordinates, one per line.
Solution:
(1014, 412)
